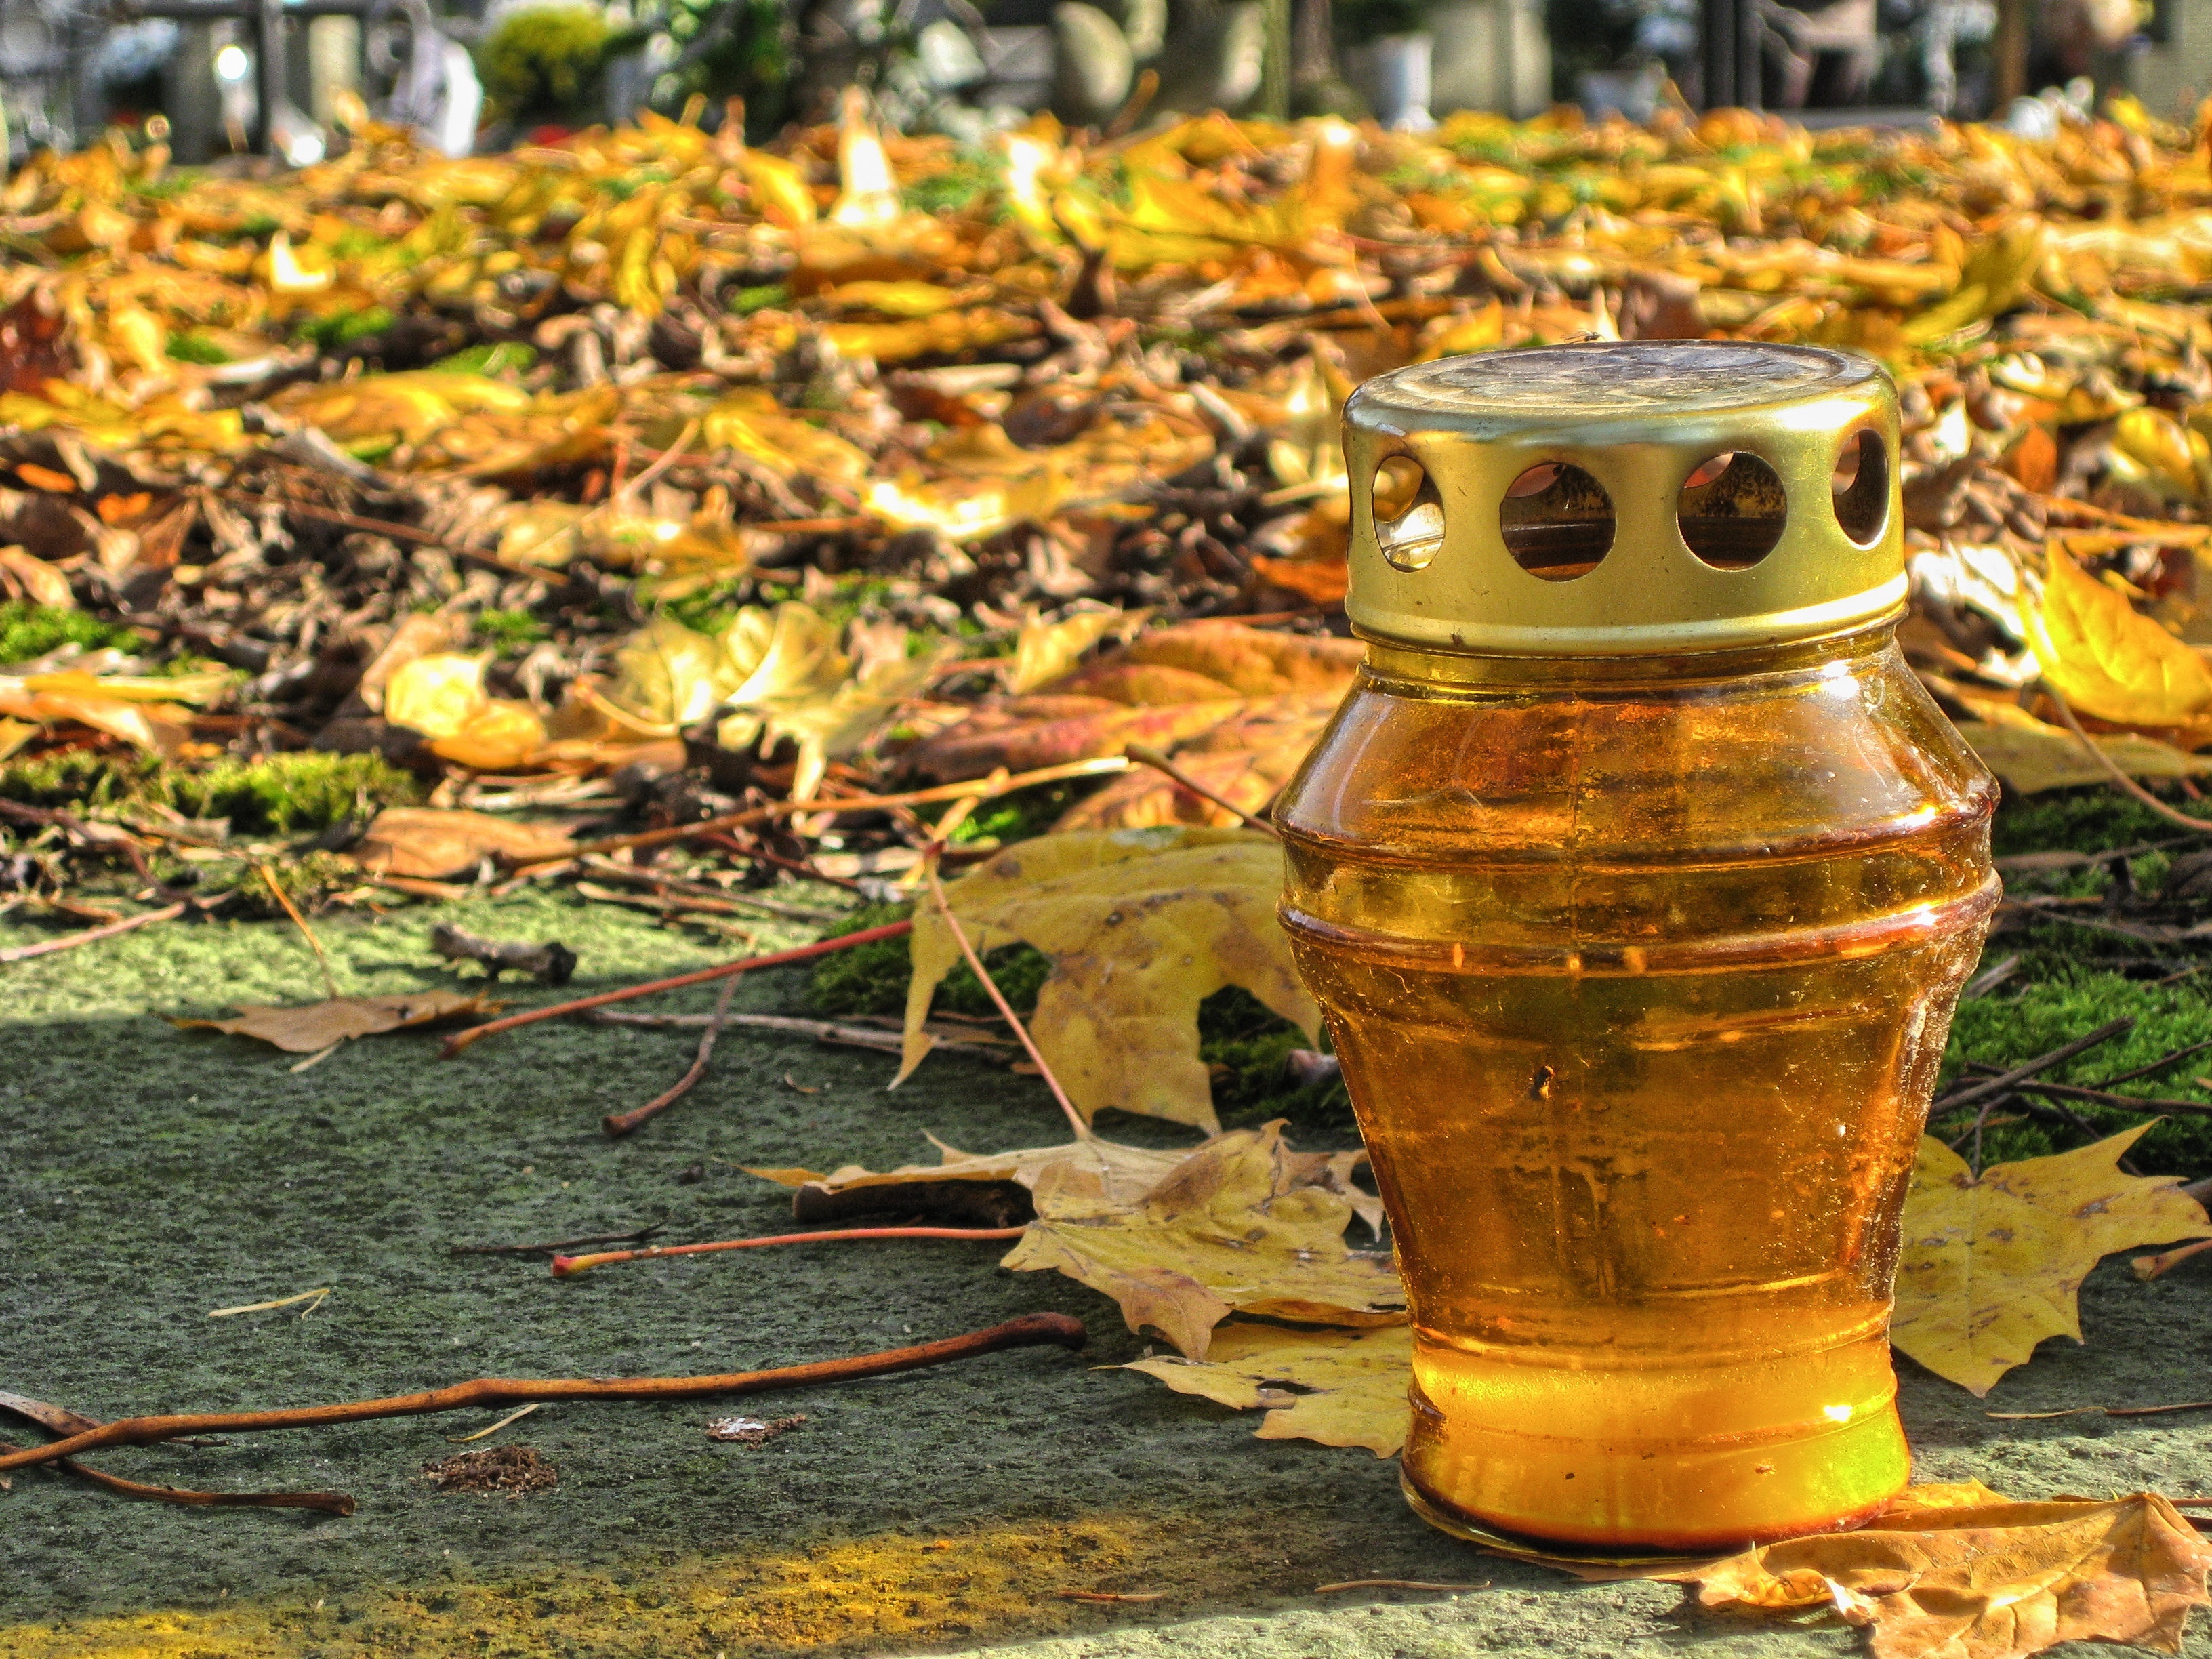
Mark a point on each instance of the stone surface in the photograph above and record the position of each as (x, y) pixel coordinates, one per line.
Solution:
(149, 1175)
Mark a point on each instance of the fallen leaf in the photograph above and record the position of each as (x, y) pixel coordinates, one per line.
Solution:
(1169, 688)
(433, 842)
(2104, 658)
(1232, 1229)
(1338, 1387)
(1991, 1266)
(1141, 926)
(1123, 1174)
(1044, 651)
(2031, 760)
(1987, 1580)
(311, 1029)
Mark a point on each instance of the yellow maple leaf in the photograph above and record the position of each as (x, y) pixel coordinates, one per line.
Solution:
(1986, 1580)
(1337, 1387)
(1991, 1266)
(1232, 1229)
(1142, 926)
(2107, 660)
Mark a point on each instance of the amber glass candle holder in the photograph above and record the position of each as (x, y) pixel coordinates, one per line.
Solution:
(1637, 877)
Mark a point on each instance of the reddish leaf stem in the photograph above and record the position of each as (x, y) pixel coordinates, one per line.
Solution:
(617, 1124)
(461, 1040)
(567, 1267)
(1030, 1331)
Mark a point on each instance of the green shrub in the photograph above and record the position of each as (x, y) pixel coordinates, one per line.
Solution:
(541, 64)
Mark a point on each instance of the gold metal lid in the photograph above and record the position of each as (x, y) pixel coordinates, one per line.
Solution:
(1617, 499)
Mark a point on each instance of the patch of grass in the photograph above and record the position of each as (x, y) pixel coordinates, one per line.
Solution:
(2008, 1027)
(32, 630)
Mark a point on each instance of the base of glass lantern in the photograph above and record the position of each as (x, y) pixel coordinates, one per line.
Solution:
(1627, 1491)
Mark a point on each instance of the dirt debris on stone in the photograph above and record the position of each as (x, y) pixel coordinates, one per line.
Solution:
(497, 1472)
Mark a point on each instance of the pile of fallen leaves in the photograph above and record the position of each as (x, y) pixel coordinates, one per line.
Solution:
(648, 471)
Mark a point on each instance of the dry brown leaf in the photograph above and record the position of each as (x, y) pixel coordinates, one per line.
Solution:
(1991, 1266)
(311, 1029)
(1232, 1229)
(1986, 1580)
(1169, 688)
(1141, 926)
(432, 842)
(1123, 1174)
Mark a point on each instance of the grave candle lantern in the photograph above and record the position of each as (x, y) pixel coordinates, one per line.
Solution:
(1637, 877)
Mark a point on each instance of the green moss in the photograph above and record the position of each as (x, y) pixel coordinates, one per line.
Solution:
(2084, 821)
(80, 779)
(32, 630)
(281, 794)
(343, 328)
(509, 631)
(1023, 813)
(289, 793)
(307, 881)
(494, 358)
(1240, 1033)
(2011, 1026)
(746, 300)
(194, 347)
(872, 979)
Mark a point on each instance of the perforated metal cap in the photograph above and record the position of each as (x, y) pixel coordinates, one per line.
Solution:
(1624, 498)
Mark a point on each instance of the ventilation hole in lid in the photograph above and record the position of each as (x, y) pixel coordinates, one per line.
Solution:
(1557, 521)
(1860, 487)
(1732, 510)
(1409, 514)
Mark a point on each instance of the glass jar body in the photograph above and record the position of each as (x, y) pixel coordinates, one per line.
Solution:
(1640, 970)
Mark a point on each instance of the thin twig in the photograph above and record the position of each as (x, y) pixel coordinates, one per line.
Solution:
(2157, 1065)
(998, 997)
(2203, 827)
(567, 1267)
(617, 1124)
(461, 1040)
(516, 1415)
(2108, 1411)
(1145, 754)
(555, 1246)
(1111, 1597)
(269, 880)
(329, 1502)
(1395, 1583)
(982, 789)
(1973, 1092)
(2105, 1097)
(2147, 1267)
(24, 952)
(1030, 1330)
(59, 1421)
